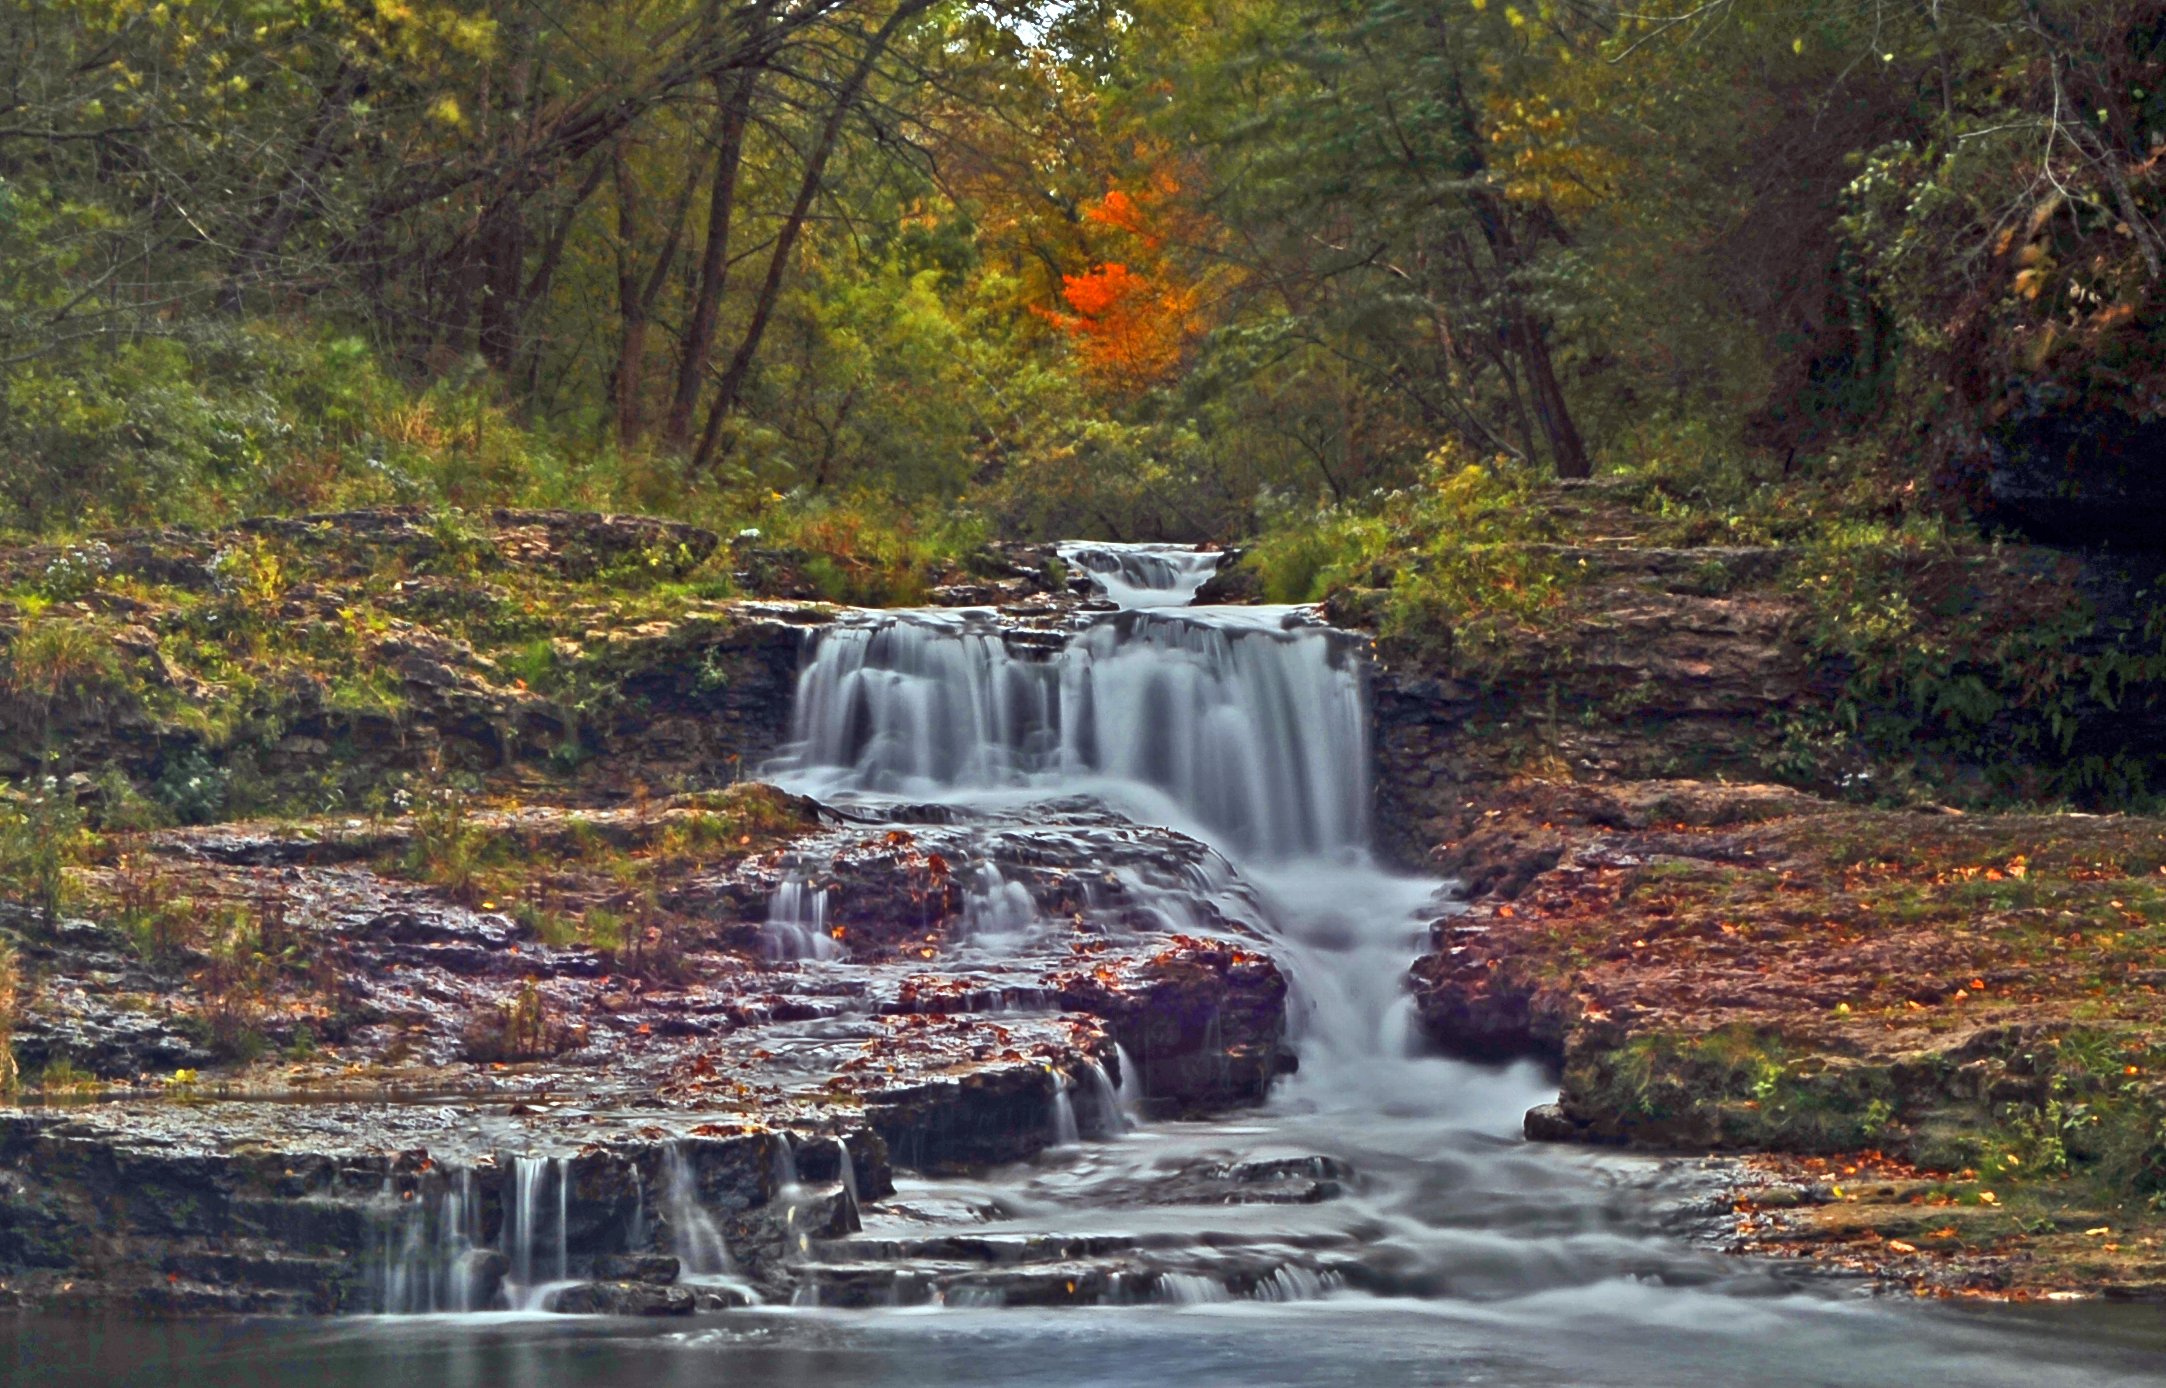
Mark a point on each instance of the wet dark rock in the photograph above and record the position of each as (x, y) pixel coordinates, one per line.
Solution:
(657, 1268)
(624, 1299)
(1231, 584)
(1549, 1123)
(2070, 472)
(983, 1119)
(269, 1209)
(1203, 1020)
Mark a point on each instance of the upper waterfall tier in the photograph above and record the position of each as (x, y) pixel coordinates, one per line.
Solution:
(1249, 720)
(1143, 575)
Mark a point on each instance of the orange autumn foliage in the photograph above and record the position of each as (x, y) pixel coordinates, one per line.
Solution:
(1131, 323)
(1128, 330)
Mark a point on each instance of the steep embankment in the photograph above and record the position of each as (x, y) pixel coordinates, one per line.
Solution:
(1952, 1018)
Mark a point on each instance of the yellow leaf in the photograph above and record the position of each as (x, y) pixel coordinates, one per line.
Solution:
(1797, 45)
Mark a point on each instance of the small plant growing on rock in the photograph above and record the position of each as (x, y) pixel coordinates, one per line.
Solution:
(235, 984)
(42, 837)
(446, 847)
(10, 1008)
(519, 1029)
(604, 929)
(164, 928)
(53, 666)
(192, 787)
(62, 1075)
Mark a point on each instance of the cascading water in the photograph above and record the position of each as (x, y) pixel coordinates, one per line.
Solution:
(1245, 724)
(537, 1267)
(1143, 575)
(1244, 727)
(797, 923)
(430, 1251)
(694, 1236)
(1066, 1131)
(1535, 1268)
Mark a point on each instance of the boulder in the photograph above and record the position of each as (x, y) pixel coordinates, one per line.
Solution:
(624, 1299)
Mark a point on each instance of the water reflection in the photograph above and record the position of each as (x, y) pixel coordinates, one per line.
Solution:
(1619, 1333)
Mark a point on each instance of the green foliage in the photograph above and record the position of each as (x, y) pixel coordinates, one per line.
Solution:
(862, 551)
(447, 847)
(62, 1075)
(10, 1013)
(42, 837)
(1960, 651)
(242, 953)
(1451, 564)
(191, 787)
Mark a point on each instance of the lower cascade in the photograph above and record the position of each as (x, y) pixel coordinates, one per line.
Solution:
(1195, 771)
(1069, 980)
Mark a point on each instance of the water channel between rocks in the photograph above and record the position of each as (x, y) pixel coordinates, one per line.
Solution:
(1376, 1220)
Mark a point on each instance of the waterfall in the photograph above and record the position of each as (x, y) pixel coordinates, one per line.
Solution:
(846, 1170)
(563, 1168)
(1107, 1116)
(430, 1257)
(1143, 575)
(789, 1193)
(1246, 722)
(1066, 1133)
(694, 1236)
(1129, 1094)
(797, 923)
(992, 905)
(1245, 727)
(528, 1284)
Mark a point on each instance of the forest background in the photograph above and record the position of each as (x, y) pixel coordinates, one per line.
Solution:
(899, 271)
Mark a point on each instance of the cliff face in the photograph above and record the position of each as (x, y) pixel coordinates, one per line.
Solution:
(1659, 669)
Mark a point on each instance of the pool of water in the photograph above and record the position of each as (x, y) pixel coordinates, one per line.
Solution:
(1615, 1333)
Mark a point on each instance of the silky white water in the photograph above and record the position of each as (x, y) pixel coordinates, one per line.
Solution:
(1142, 575)
(1245, 727)
(1520, 1266)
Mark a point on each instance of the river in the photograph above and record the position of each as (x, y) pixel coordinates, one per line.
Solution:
(1432, 1246)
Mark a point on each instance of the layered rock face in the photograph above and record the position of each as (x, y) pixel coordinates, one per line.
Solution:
(229, 1207)
(1660, 671)
(728, 1043)
(550, 1028)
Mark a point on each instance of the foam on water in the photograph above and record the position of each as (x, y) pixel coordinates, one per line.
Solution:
(1143, 575)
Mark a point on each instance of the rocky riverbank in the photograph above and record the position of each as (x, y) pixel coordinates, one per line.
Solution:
(1667, 797)
(519, 933)
(1955, 1018)
(281, 1038)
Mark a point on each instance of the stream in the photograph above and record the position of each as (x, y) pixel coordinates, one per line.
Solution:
(1379, 1221)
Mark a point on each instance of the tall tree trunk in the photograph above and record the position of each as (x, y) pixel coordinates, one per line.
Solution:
(697, 346)
(625, 380)
(1527, 335)
(808, 188)
(543, 279)
(636, 295)
(1566, 449)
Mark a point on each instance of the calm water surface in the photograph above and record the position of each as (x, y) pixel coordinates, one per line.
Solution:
(1616, 1334)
